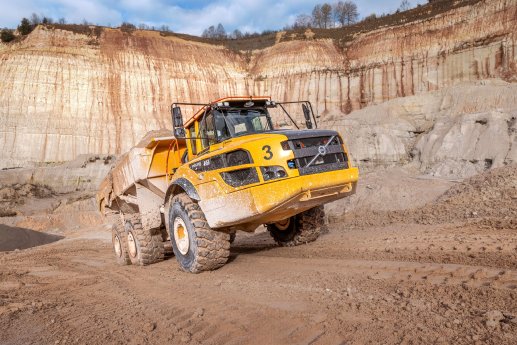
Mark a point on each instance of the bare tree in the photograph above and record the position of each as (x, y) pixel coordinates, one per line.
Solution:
(236, 34)
(326, 16)
(345, 13)
(209, 32)
(220, 32)
(302, 21)
(143, 26)
(61, 20)
(35, 19)
(317, 17)
(404, 5)
(47, 20)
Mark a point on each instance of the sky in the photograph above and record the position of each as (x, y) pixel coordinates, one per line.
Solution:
(185, 16)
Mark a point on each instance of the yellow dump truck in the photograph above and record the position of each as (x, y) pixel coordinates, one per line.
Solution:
(225, 169)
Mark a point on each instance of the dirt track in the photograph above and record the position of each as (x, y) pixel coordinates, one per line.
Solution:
(391, 282)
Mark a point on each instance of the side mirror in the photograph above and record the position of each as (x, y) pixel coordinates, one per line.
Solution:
(177, 122)
(307, 114)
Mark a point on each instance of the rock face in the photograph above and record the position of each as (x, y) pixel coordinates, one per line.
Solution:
(455, 132)
(64, 94)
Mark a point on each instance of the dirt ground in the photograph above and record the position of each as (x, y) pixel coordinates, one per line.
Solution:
(441, 273)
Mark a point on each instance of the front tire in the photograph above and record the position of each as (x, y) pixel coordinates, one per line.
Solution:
(300, 229)
(196, 246)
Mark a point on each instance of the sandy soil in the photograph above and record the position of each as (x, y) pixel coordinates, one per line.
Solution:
(428, 275)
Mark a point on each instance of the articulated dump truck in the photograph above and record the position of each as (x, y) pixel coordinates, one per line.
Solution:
(186, 192)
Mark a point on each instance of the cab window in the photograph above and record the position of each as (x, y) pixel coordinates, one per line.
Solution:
(192, 134)
(207, 131)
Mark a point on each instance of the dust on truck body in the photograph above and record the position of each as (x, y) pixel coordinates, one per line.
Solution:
(226, 169)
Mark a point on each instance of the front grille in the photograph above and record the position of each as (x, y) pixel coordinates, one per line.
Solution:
(306, 149)
(316, 141)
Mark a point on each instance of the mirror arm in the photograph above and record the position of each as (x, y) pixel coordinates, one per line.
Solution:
(289, 116)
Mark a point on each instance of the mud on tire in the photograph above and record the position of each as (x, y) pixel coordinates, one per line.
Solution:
(302, 228)
(145, 246)
(196, 246)
(119, 241)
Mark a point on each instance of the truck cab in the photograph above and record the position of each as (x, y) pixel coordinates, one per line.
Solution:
(247, 173)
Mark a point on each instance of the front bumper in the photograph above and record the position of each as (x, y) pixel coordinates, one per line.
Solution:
(275, 201)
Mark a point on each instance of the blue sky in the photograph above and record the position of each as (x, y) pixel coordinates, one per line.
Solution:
(187, 16)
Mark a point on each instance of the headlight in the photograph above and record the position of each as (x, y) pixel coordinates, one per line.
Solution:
(273, 172)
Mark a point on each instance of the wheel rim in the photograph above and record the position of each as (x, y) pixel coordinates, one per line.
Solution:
(117, 246)
(131, 245)
(181, 237)
(283, 225)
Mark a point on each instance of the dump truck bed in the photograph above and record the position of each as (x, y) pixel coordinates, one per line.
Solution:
(144, 162)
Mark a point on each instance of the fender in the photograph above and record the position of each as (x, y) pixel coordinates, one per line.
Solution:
(184, 184)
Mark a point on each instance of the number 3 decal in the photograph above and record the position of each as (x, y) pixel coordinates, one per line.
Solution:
(267, 150)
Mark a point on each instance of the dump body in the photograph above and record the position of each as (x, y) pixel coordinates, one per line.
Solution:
(148, 164)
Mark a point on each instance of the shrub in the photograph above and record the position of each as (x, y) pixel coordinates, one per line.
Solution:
(127, 27)
(25, 27)
(7, 35)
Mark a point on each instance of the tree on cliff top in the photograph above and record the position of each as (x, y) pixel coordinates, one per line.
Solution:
(7, 35)
(302, 21)
(220, 32)
(25, 27)
(404, 5)
(209, 32)
(322, 16)
(35, 19)
(326, 15)
(345, 13)
(127, 27)
(213, 32)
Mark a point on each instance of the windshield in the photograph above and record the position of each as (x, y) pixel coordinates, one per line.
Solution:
(235, 122)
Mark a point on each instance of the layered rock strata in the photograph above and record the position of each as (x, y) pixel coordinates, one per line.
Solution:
(64, 94)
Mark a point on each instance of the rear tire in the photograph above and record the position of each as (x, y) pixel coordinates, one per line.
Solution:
(145, 246)
(119, 241)
(196, 246)
(168, 251)
(300, 229)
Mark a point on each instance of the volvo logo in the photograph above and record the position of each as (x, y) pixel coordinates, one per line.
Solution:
(322, 150)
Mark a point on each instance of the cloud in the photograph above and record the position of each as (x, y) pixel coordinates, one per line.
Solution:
(186, 16)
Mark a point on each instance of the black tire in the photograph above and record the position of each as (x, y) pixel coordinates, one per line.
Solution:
(167, 244)
(119, 242)
(203, 249)
(148, 244)
(302, 228)
(168, 251)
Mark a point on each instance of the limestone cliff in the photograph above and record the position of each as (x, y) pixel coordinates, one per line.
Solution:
(65, 93)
